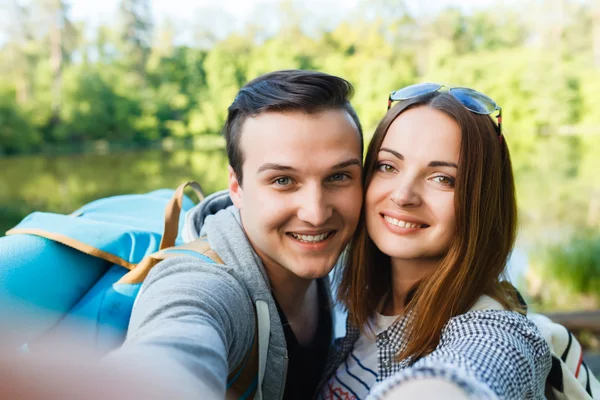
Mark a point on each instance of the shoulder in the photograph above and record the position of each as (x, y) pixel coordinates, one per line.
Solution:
(183, 297)
(486, 353)
(187, 269)
(188, 285)
(492, 323)
(506, 333)
(502, 349)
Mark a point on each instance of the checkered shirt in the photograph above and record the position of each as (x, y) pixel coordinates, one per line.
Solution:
(489, 354)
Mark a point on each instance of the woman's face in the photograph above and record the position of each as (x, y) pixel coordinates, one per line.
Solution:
(409, 204)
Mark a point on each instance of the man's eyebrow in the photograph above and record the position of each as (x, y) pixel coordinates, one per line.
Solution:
(274, 166)
(287, 168)
(431, 164)
(347, 163)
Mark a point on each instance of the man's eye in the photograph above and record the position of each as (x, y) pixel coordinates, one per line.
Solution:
(338, 177)
(285, 181)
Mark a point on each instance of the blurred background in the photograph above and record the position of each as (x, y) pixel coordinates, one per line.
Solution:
(127, 96)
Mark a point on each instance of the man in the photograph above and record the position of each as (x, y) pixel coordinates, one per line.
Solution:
(295, 147)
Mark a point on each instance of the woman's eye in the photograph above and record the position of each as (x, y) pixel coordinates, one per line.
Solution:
(385, 168)
(285, 181)
(444, 180)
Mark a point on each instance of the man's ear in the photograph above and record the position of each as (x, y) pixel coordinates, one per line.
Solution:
(235, 189)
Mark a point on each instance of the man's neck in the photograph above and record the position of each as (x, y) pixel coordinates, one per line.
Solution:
(298, 299)
(292, 295)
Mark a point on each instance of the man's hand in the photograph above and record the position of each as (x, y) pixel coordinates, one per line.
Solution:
(68, 376)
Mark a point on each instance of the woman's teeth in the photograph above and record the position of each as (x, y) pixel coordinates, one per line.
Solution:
(401, 224)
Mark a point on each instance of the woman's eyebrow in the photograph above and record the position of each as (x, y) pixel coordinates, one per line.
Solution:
(393, 152)
(431, 164)
(442, 164)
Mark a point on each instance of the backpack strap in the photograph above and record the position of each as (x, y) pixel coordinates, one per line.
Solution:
(138, 273)
(172, 211)
(199, 248)
(242, 382)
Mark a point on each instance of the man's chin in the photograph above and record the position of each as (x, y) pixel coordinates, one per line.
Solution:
(311, 272)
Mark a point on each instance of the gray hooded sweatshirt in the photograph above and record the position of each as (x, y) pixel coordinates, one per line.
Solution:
(193, 322)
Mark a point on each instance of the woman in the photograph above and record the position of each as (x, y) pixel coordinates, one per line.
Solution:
(422, 282)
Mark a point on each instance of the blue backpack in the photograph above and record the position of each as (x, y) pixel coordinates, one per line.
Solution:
(85, 270)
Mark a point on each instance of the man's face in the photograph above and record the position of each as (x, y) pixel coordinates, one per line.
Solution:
(301, 194)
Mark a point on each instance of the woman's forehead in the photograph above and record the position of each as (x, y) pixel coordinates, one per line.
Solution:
(424, 131)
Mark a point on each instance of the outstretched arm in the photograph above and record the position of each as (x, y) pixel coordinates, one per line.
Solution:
(191, 324)
(482, 354)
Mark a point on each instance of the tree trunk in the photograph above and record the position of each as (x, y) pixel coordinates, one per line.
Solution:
(596, 33)
(56, 59)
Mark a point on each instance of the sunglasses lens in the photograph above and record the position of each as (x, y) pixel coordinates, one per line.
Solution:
(412, 91)
(475, 101)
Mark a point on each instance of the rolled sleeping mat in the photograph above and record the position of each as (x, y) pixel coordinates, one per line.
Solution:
(40, 281)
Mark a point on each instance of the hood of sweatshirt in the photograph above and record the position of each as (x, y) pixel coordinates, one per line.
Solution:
(217, 218)
(195, 218)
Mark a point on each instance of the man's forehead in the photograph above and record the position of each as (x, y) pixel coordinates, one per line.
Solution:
(283, 124)
(299, 140)
(286, 119)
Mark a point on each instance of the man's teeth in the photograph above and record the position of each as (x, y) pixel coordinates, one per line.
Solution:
(311, 238)
(401, 224)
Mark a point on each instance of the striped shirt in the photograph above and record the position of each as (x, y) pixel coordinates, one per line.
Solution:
(355, 376)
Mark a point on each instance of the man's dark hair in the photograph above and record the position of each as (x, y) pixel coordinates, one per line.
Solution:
(289, 90)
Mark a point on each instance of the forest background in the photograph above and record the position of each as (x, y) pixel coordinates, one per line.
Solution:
(135, 103)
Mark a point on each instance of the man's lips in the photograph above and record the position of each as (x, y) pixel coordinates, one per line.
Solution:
(311, 236)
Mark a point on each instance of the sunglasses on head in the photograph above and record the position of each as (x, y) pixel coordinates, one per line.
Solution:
(473, 100)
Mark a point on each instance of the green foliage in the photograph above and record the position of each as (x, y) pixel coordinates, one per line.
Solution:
(16, 134)
(121, 86)
(93, 109)
(569, 269)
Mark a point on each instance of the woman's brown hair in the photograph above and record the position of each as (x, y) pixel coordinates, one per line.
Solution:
(486, 221)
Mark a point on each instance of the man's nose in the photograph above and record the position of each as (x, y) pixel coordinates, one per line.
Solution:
(314, 207)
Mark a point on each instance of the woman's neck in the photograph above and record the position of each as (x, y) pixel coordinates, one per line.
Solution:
(405, 274)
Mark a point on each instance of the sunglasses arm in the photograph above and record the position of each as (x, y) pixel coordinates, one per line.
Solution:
(499, 118)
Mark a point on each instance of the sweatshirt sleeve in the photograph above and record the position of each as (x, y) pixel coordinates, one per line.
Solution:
(488, 354)
(192, 322)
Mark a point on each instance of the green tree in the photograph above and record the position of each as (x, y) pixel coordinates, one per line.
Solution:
(17, 135)
(135, 35)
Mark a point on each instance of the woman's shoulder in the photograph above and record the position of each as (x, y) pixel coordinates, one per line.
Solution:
(492, 327)
(487, 349)
(501, 348)
(488, 316)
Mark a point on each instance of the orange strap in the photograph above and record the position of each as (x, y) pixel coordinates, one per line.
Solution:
(75, 244)
(172, 212)
(139, 273)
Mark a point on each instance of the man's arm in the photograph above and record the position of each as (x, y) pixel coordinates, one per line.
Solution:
(192, 322)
